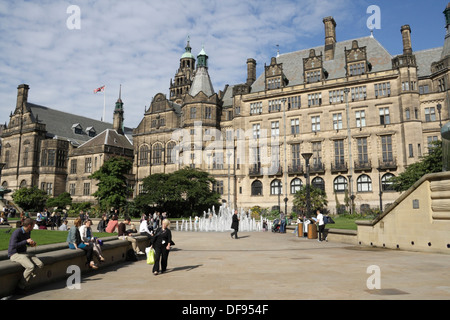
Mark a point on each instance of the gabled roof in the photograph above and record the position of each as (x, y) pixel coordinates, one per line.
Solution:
(292, 62)
(109, 137)
(377, 55)
(61, 124)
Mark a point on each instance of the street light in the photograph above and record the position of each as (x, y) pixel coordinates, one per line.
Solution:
(285, 157)
(307, 156)
(439, 108)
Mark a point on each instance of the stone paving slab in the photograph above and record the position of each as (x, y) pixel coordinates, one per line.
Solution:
(265, 266)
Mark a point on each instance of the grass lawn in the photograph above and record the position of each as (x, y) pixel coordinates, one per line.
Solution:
(52, 236)
(43, 236)
(346, 222)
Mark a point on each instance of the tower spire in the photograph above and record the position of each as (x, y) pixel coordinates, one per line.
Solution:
(118, 114)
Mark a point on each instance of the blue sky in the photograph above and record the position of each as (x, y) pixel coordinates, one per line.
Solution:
(139, 43)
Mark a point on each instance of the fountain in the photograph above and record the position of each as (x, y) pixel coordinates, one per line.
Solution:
(221, 221)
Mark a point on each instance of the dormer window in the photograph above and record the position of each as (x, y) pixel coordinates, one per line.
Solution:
(91, 132)
(313, 68)
(356, 69)
(77, 129)
(275, 78)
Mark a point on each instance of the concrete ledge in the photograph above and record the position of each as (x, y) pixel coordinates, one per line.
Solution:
(57, 261)
(49, 248)
(342, 236)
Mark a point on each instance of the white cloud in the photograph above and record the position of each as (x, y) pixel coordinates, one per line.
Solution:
(138, 44)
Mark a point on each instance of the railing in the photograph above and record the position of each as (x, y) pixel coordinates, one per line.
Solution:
(339, 167)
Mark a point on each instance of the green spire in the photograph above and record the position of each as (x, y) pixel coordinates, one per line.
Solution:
(202, 58)
(188, 49)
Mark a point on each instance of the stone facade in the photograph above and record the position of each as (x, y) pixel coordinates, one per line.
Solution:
(40, 147)
(303, 103)
(362, 114)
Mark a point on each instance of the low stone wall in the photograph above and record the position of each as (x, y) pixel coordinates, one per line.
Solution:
(57, 258)
(342, 236)
(419, 220)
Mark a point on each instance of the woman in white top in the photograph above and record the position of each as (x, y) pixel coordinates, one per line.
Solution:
(86, 236)
(143, 228)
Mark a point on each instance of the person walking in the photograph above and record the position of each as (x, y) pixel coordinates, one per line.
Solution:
(162, 242)
(17, 252)
(235, 225)
(282, 222)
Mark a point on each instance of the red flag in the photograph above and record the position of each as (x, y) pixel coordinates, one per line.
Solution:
(101, 89)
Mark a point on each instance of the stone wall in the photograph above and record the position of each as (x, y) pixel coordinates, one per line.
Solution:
(419, 220)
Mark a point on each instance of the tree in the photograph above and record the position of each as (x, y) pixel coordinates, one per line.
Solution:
(182, 192)
(30, 198)
(113, 190)
(61, 201)
(430, 163)
(318, 199)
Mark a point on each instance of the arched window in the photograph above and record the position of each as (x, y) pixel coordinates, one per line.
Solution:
(318, 182)
(296, 185)
(340, 184)
(364, 183)
(157, 154)
(276, 187)
(143, 155)
(386, 183)
(257, 188)
(171, 158)
(23, 184)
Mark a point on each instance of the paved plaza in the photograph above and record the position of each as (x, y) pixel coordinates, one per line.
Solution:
(265, 266)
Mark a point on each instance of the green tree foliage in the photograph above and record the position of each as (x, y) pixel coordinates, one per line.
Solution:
(183, 192)
(430, 163)
(61, 201)
(113, 190)
(30, 199)
(318, 199)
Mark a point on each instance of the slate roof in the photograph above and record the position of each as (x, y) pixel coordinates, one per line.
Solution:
(377, 55)
(60, 124)
(109, 137)
(201, 82)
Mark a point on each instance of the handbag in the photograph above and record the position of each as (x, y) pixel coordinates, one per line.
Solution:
(150, 255)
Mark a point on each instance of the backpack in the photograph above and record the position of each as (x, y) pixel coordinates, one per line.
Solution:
(131, 255)
(328, 220)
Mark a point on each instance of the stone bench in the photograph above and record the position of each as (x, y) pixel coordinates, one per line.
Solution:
(57, 258)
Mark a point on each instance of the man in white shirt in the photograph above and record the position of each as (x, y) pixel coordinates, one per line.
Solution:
(321, 225)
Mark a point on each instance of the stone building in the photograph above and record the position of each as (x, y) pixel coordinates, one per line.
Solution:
(39, 143)
(362, 114)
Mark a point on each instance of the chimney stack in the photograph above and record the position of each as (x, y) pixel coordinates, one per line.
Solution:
(251, 71)
(330, 37)
(22, 98)
(406, 35)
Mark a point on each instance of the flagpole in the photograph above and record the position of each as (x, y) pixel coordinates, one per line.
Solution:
(104, 104)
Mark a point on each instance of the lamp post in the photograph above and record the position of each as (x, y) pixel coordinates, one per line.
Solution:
(439, 108)
(229, 189)
(307, 156)
(380, 187)
(2, 165)
(349, 138)
(285, 157)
